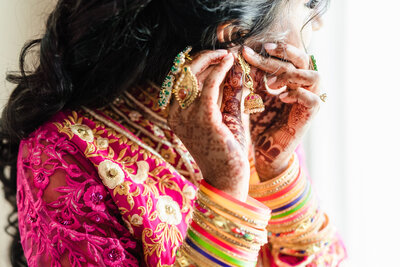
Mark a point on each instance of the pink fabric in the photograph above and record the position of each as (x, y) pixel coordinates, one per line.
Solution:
(71, 213)
(68, 217)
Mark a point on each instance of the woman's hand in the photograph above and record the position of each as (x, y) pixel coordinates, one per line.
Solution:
(278, 130)
(213, 137)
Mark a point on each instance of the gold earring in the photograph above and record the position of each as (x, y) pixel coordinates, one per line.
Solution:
(253, 103)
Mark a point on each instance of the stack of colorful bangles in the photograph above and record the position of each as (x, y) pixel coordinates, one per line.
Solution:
(224, 231)
(297, 226)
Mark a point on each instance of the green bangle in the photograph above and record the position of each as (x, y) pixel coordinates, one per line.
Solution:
(218, 253)
(295, 208)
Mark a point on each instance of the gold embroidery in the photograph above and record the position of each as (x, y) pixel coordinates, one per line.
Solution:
(135, 219)
(83, 131)
(168, 210)
(111, 173)
(113, 176)
(141, 173)
(168, 154)
(122, 189)
(163, 233)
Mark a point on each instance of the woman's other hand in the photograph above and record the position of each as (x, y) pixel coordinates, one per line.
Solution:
(278, 130)
(215, 136)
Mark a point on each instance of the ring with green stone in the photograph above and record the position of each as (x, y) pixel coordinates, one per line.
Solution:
(166, 88)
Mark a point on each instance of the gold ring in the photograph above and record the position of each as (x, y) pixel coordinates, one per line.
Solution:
(323, 97)
(186, 88)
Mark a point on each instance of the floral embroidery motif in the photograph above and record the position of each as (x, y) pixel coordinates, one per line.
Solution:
(113, 255)
(136, 220)
(41, 180)
(94, 198)
(168, 154)
(111, 174)
(102, 143)
(189, 192)
(168, 210)
(134, 115)
(122, 189)
(142, 172)
(147, 192)
(158, 132)
(83, 131)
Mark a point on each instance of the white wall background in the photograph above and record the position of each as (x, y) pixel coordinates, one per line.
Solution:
(354, 143)
(20, 20)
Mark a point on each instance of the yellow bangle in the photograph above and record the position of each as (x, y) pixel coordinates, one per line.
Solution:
(241, 210)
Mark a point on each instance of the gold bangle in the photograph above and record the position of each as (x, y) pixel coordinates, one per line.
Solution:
(320, 239)
(229, 227)
(258, 190)
(295, 226)
(289, 196)
(251, 248)
(307, 229)
(208, 204)
(182, 260)
(194, 257)
(291, 177)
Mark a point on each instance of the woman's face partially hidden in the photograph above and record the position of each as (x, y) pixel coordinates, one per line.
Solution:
(300, 11)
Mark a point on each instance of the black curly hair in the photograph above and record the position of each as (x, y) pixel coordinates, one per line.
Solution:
(93, 50)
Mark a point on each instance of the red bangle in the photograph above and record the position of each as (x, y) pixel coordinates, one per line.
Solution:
(252, 204)
(283, 191)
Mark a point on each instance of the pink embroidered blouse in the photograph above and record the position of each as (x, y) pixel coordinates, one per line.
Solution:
(117, 192)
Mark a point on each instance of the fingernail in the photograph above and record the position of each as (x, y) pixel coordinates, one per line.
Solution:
(271, 80)
(248, 50)
(270, 46)
(228, 57)
(283, 95)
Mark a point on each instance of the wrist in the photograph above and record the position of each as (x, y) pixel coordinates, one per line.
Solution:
(236, 188)
(267, 171)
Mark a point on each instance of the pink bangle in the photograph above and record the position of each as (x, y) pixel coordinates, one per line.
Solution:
(252, 204)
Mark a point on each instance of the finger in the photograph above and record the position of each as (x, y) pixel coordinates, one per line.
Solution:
(232, 92)
(290, 53)
(206, 58)
(302, 97)
(212, 83)
(267, 64)
(231, 104)
(298, 78)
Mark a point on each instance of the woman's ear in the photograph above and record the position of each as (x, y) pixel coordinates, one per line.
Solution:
(317, 23)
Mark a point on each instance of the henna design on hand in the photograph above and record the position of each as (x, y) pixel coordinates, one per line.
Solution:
(274, 131)
(215, 137)
(232, 95)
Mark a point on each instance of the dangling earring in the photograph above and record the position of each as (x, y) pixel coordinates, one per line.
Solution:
(253, 103)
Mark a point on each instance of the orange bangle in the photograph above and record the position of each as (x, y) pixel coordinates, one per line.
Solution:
(291, 195)
(253, 208)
